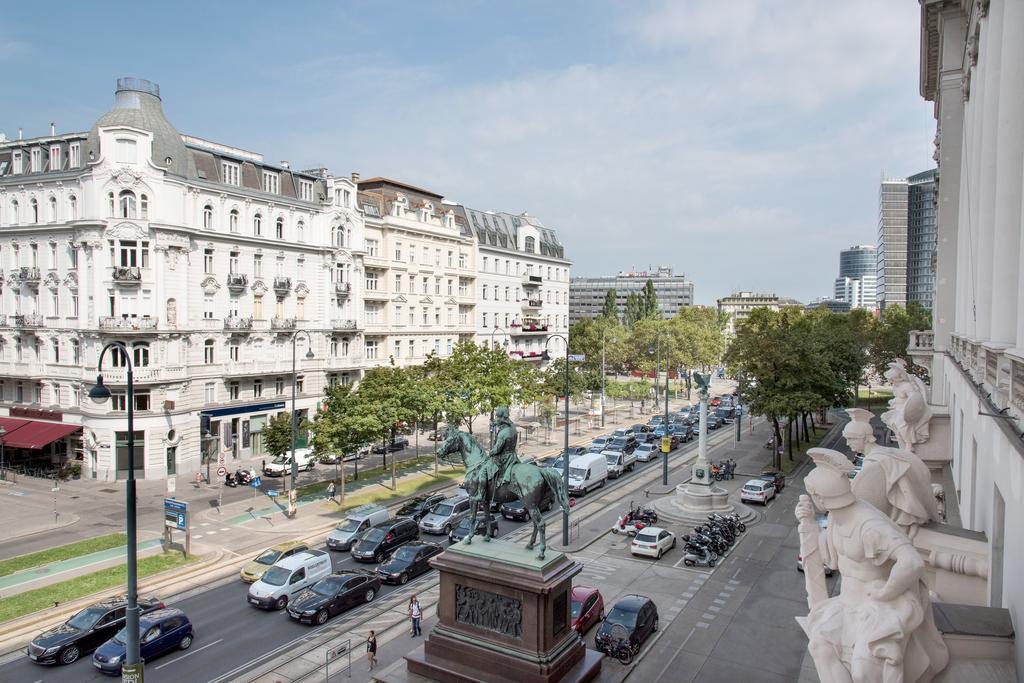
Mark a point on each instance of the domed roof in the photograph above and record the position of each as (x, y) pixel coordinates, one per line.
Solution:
(137, 104)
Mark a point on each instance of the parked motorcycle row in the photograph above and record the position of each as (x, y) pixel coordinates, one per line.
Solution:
(709, 541)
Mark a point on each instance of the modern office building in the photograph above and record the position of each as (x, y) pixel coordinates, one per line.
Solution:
(891, 285)
(858, 270)
(971, 58)
(921, 237)
(739, 305)
(204, 260)
(587, 294)
(834, 305)
(522, 282)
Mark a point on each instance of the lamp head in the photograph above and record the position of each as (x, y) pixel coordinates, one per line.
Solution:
(100, 392)
(546, 356)
(309, 354)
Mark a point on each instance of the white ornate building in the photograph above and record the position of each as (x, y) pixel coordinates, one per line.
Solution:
(522, 283)
(203, 259)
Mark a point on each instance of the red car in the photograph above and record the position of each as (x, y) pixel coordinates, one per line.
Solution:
(587, 608)
(716, 401)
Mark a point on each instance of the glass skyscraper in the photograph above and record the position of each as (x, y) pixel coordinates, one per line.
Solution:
(921, 238)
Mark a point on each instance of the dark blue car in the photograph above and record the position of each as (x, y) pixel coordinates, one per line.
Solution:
(159, 633)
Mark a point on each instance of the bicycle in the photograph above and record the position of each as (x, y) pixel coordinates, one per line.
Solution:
(620, 649)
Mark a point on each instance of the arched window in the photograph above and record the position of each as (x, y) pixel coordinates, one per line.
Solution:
(257, 225)
(76, 352)
(528, 244)
(15, 212)
(143, 206)
(117, 358)
(337, 236)
(73, 207)
(300, 232)
(233, 220)
(126, 204)
(140, 354)
(53, 210)
(208, 352)
(110, 204)
(279, 229)
(208, 217)
(33, 208)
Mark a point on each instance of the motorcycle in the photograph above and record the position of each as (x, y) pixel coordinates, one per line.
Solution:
(243, 477)
(698, 554)
(732, 519)
(637, 518)
(229, 480)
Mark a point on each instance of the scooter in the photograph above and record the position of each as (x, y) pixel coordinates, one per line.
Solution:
(229, 480)
(625, 524)
(698, 554)
(242, 477)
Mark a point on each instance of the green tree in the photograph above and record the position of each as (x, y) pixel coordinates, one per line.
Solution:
(611, 308)
(634, 310)
(891, 335)
(649, 301)
(277, 434)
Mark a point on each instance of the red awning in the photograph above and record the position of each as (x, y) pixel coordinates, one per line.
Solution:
(35, 434)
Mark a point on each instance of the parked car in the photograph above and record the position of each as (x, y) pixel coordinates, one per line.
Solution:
(380, 541)
(646, 452)
(439, 435)
(288, 577)
(418, 507)
(399, 443)
(777, 478)
(462, 530)
(554, 461)
(637, 619)
(516, 510)
(255, 570)
(822, 520)
(446, 515)
(715, 401)
(160, 631)
(282, 464)
(84, 632)
(587, 608)
(757, 491)
(409, 561)
(599, 444)
(653, 542)
(357, 521)
(333, 595)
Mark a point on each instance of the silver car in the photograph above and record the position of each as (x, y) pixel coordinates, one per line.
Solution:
(445, 516)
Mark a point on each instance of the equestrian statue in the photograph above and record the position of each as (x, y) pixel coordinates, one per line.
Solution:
(497, 476)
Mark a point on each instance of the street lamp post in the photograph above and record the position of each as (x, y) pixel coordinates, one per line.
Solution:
(565, 450)
(3, 469)
(309, 356)
(664, 459)
(132, 667)
(657, 374)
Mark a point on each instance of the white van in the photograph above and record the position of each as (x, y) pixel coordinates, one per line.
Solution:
(282, 464)
(288, 577)
(355, 523)
(587, 472)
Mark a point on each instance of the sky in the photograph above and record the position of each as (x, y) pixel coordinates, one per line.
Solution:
(740, 143)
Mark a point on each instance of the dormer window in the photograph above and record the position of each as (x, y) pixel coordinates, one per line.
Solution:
(528, 244)
(75, 155)
(306, 190)
(229, 172)
(270, 182)
(126, 151)
(37, 160)
(54, 157)
(18, 162)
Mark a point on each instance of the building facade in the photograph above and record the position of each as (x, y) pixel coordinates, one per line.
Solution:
(739, 305)
(204, 260)
(971, 61)
(587, 294)
(921, 238)
(891, 283)
(858, 275)
(522, 283)
(420, 274)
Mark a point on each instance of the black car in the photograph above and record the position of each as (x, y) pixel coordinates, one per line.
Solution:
(399, 443)
(639, 429)
(622, 444)
(379, 541)
(576, 451)
(517, 511)
(85, 631)
(714, 422)
(683, 431)
(462, 530)
(410, 560)
(333, 595)
(777, 478)
(419, 506)
(635, 617)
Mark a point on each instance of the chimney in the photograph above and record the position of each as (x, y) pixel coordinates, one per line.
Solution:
(53, 129)
(285, 164)
(20, 136)
(355, 177)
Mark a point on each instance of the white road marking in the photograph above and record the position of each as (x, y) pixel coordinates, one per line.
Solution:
(211, 532)
(189, 653)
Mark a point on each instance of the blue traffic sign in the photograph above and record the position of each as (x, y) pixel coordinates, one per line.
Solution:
(256, 483)
(176, 514)
(273, 493)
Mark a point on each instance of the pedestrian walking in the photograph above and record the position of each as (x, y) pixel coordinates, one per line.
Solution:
(263, 466)
(331, 490)
(371, 650)
(415, 613)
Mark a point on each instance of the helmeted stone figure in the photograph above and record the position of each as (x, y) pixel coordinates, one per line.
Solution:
(908, 415)
(880, 627)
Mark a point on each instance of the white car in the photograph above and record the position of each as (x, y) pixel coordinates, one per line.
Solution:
(823, 524)
(646, 452)
(653, 542)
(757, 491)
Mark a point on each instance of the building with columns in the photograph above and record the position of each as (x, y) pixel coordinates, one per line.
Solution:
(972, 69)
(205, 260)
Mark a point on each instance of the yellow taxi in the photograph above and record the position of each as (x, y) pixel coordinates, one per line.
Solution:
(254, 571)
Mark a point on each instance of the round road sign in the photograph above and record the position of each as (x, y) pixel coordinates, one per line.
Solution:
(572, 502)
(221, 471)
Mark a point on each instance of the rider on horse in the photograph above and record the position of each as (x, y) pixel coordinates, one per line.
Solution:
(503, 453)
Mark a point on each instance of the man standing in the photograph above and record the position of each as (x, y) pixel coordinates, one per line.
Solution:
(331, 490)
(415, 613)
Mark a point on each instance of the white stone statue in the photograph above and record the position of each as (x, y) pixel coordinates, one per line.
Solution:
(880, 627)
(908, 415)
(894, 480)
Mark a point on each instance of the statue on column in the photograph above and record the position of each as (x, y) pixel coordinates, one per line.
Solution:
(880, 627)
(908, 415)
(894, 480)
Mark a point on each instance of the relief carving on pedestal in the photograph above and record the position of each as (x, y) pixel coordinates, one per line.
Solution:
(490, 611)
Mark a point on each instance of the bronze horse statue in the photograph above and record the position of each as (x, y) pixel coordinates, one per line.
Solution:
(527, 482)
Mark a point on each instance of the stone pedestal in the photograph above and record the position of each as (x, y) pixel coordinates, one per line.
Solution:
(504, 616)
(935, 451)
(694, 502)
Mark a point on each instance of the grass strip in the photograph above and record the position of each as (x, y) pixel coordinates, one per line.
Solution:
(41, 598)
(63, 552)
(366, 476)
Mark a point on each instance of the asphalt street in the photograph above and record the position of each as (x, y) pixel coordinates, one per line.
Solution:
(231, 636)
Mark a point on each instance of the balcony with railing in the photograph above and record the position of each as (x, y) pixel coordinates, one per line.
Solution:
(342, 289)
(237, 282)
(29, 275)
(126, 323)
(282, 285)
(527, 355)
(344, 324)
(528, 328)
(532, 304)
(126, 275)
(532, 280)
(27, 320)
(236, 323)
(376, 294)
(282, 324)
(921, 347)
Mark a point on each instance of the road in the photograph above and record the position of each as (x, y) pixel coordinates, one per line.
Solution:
(231, 634)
